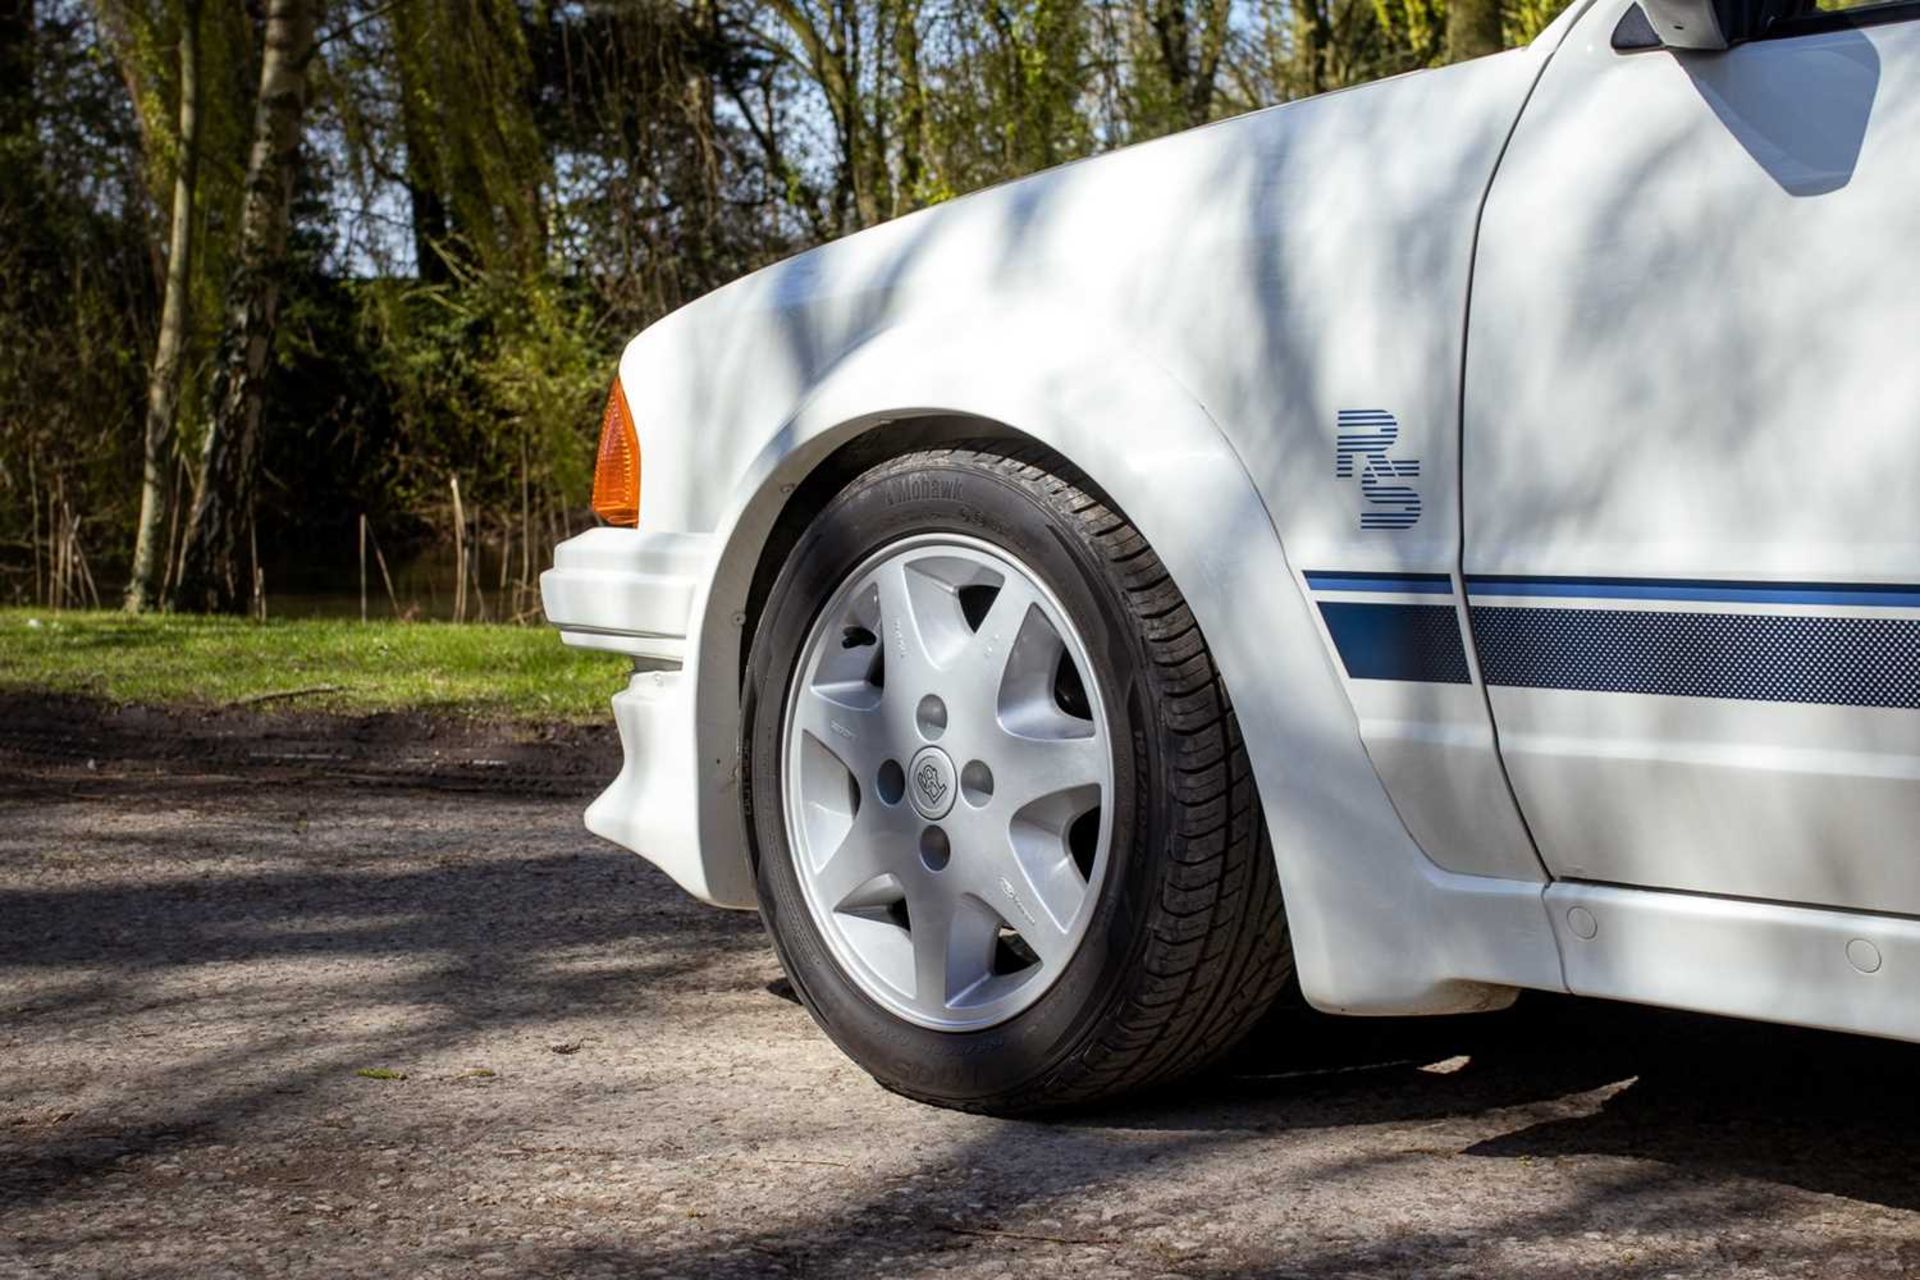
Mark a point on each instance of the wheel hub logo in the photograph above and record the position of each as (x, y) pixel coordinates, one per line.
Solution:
(933, 788)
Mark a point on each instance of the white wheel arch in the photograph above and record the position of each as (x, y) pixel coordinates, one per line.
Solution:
(1377, 927)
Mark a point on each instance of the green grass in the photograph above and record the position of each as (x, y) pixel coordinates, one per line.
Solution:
(503, 672)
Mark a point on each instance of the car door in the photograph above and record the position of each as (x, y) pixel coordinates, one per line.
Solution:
(1691, 465)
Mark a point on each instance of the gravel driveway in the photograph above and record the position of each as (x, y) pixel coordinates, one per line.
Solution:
(282, 1009)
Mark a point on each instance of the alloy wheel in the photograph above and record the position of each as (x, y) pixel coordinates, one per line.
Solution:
(948, 778)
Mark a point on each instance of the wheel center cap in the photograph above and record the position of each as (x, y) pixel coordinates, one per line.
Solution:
(930, 783)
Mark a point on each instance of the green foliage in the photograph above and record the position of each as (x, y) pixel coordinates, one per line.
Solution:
(76, 296)
(1010, 98)
(1522, 20)
(495, 194)
(1419, 27)
(489, 375)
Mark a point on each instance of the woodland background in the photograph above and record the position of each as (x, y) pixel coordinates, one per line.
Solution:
(283, 280)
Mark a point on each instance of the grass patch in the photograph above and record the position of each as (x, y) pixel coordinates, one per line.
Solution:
(502, 672)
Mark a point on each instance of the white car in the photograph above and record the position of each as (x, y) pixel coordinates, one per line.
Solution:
(1432, 540)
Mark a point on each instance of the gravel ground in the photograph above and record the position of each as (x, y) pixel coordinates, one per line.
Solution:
(262, 1014)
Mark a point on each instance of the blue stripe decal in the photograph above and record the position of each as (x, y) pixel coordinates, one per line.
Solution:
(1417, 584)
(1871, 661)
(1852, 662)
(1397, 641)
(1816, 593)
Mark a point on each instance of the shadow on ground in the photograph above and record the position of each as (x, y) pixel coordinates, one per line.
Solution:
(196, 968)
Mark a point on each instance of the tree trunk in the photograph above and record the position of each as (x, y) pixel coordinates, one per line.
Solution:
(911, 189)
(413, 32)
(701, 114)
(163, 379)
(1190, 40)
(428, 208)
(1213, 49)
(831, 63)
(211, 575)
(1473, 29)
(16, 72)
(1314, 21)
(1172, 35)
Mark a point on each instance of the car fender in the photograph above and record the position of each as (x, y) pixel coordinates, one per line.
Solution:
(1376, 926)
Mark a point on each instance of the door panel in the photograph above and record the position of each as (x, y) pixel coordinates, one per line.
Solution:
(1692, 465)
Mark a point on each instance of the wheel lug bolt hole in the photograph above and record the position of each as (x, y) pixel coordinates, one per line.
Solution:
(934, 849)
(976, 783)
(931, 716)
(891, 783)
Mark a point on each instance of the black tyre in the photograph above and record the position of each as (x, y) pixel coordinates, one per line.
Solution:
(1006, 838)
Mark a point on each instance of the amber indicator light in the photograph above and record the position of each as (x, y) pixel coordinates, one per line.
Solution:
(616, 472)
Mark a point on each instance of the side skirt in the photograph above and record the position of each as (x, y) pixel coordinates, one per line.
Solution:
(1807, 966)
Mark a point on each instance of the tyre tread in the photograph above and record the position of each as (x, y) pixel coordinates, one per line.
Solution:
(1216, 955)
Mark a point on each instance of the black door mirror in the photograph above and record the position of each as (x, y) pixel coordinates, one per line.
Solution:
(1691, 24)
(1698, 24)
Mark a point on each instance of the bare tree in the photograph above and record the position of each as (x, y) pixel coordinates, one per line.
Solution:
(164, 377)
(1189, 41)
(211, 579)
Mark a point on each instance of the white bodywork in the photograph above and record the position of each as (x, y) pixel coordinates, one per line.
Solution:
(1253, 338)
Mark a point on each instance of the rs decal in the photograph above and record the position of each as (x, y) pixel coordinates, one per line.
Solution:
(1365, 436)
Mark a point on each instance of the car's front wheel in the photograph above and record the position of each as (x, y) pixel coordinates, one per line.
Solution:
(1006, 839)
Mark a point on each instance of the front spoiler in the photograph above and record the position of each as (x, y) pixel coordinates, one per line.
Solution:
(635, 592)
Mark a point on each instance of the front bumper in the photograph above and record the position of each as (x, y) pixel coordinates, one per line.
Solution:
(627, 590)
(634, 592)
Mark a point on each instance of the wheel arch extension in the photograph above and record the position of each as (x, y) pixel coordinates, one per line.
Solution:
(1376, 926)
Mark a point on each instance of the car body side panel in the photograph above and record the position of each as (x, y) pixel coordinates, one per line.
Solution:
(1693, 465)
(1195, 323)
(1378, 927)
